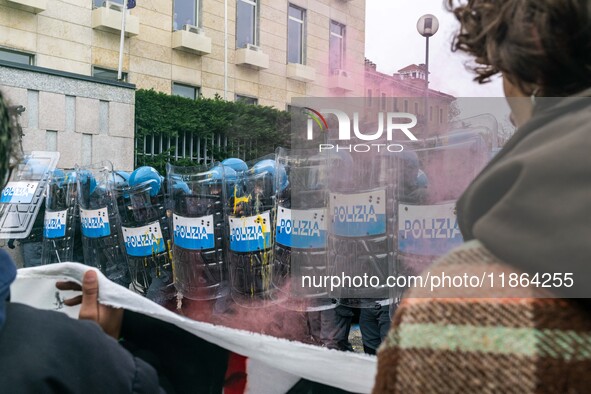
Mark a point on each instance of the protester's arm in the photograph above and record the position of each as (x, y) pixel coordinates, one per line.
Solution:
(184, 362)
(109, 318)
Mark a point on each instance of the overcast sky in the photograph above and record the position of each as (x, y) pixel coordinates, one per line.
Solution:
(392, 42)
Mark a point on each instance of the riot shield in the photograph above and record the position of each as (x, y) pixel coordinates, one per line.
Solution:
(250, 245)
(22, 197)
(99, 222)
(196, 198)
(146, 234)
(434, 174)
(361, 227)
(301, 230)
(59, 225)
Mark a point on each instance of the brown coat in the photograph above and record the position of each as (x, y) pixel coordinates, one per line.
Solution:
(507, 342)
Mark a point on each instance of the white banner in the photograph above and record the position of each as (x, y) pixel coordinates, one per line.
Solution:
(348, 371)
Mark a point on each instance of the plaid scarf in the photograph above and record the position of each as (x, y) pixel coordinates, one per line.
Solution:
(485, 345)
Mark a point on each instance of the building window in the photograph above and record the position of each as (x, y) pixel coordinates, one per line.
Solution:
(51, 140)
(383, 103)
(188, 91)
(405, 105)
(395, 104)
(186, 12)
(440, 115)
(102, 3)
(246, 23)
(336, 46)
(105, 73)
(416, 108)
(369, 97)
(16, 57)
(296, 35)
(431, 114)
(246, 99)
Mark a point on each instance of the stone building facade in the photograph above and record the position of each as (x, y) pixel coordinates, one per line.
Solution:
(405, 91)
(182, 42)
(59, 59)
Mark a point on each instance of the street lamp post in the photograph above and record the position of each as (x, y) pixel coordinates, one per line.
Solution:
(427, 26)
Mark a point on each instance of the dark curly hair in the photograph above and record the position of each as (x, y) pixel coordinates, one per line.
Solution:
(539, 45)
(10, 141)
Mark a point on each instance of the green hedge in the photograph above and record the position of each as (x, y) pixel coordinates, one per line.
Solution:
(254, 129)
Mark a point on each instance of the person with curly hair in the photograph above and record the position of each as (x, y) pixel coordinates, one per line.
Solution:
(527, 212)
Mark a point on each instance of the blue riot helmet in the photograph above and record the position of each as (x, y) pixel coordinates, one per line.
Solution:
(413, 182)
(239, 167)
(120, 181)
(177, 186)
(70, 177)
(264, 175)
(215, 173)
(230, 174)
(219, 174)
(231, 179)
(422, 179)
(146, 174)
(281, 178)
(236, 164)
(58, 178)
(266, 165)
(409, 169)
(58, 173)
(121, 178)
(214, 180)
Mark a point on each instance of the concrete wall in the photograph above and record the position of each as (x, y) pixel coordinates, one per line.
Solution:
(84, 119)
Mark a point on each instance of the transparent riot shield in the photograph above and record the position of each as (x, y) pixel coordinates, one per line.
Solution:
(196, 198)
(433, 175)
(59, 225)
(362, 227)
(99, 222)
(301, 226)
(146, 234)
(22, 197)
(250, 223)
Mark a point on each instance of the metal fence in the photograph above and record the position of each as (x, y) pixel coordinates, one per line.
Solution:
(190, 146)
